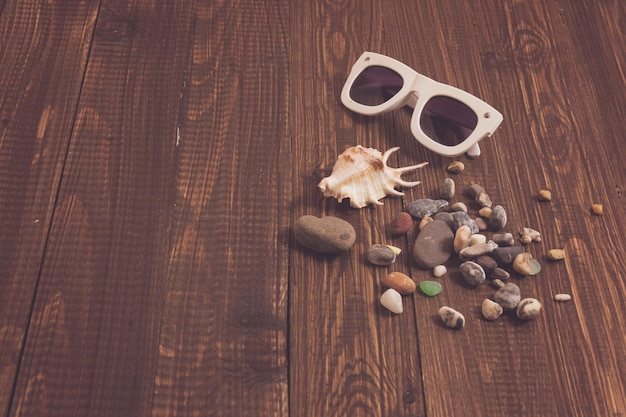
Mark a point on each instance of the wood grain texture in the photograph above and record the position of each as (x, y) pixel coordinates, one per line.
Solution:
(43, 54)
(223, 340)
(155, 155)
(93, 336)
(348, 356)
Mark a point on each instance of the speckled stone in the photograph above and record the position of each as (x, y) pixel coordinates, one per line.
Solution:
(473, 273)
(556, 254)
(328, 235)
(498, 217)
(447, 189)
(528, 308)
(426, 207)
(451, 318)
(477, 250)
(433, 245)
(508, 296)
(534, 235)
(461, 218)
(483, 200)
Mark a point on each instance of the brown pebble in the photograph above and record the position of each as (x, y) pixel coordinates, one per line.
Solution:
(500, 274)
(497, 283)
(483, 200)
(597, 209)
(425, 220)
(401, 224)
(381, 255)
(525, 239)
(488, 263)
(485, 212)
(456, 167)
(329, 235)
(400, 282)
(481, 224)
(544, 195)
(474, 189)
(556, 254)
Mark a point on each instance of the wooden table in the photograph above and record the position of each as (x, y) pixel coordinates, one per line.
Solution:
(154, 156)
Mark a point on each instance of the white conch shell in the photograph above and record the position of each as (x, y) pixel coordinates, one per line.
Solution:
(362, 175)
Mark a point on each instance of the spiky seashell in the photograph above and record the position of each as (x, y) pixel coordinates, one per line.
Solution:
(362, 175)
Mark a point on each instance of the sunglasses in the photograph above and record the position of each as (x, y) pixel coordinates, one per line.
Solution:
(445, 120)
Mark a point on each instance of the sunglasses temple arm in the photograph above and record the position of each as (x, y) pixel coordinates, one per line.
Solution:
(474, 151)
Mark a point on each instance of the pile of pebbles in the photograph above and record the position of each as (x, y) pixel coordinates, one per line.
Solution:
(447, 230)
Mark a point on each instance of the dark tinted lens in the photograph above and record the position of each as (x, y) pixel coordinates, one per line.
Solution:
(447, 121)
(375, 85)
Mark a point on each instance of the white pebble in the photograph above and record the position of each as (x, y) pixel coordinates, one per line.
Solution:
(439, 271)
(562, 297)
(477, 238)
(392, 301)
(395, 249)
(451, 317)
(534, 235)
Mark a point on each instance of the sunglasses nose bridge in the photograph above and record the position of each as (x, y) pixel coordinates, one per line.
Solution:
(412, 101)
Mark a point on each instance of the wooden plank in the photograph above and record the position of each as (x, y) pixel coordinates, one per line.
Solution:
(43, 55)
(516, 56)
(223, 341)
(567, 363)
(348, 356)
(91, 347)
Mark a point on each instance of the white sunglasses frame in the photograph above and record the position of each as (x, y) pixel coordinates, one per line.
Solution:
(416, 90)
